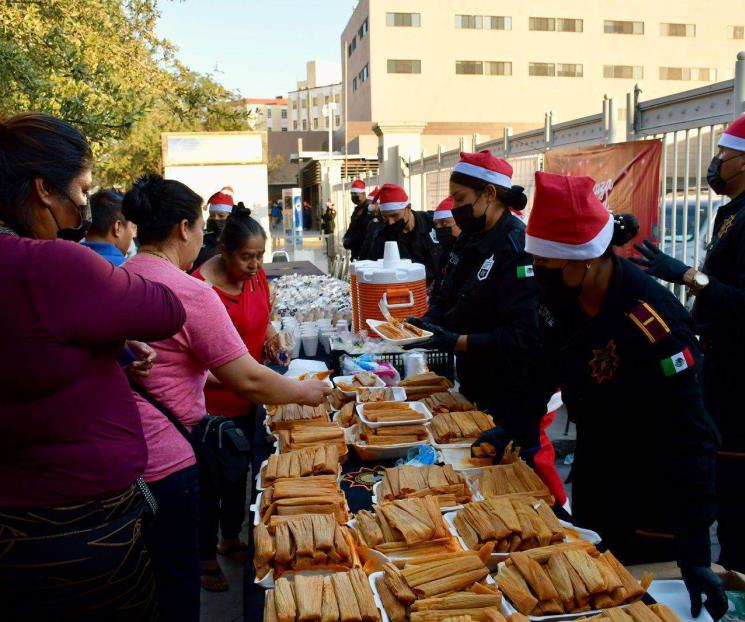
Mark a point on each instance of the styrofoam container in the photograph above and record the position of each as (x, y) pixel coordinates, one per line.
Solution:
(370, 453)
(259, 484)
(349, 380)
(437, 445)
(673, 593)
(453, 508)
(373, 324)
(417, 406)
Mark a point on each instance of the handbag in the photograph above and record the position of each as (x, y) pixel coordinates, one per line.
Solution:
(221, 448)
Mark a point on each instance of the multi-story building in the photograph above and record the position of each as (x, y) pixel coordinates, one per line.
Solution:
(267, 114)
(434, 72)
(321, 87)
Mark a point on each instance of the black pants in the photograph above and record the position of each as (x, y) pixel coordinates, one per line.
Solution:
(731, 500)
(223, 509)
(84, 562)
(173, 541)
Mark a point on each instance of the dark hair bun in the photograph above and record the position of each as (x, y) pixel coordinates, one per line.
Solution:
(625, 229)
(239, 209)
(517, 199)
(140, 201)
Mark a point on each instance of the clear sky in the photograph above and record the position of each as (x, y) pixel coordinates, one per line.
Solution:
(258, 46)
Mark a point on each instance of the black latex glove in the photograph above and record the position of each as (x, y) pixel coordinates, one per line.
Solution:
(659, 264)
(702, 580)
(496, 437)
(414, 321)
(441, 338)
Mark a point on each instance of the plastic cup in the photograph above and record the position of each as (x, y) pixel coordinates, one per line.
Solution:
(310, 344)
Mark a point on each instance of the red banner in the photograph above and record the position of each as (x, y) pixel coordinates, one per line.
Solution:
(627, 178)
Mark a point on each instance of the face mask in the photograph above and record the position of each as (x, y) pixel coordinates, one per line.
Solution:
(394, 230)
(72, 234)
(445, 236)
(355, 199)
(215, 226)
(466, 221)
(714, 174)
(556, 295)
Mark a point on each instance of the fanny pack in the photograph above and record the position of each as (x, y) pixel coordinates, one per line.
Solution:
(221, 449)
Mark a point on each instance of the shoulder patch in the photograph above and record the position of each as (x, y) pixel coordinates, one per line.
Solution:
(649, 322)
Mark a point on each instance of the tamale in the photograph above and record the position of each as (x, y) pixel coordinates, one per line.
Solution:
(369, 528)
(282, 543)
(616, 614)
(309, 596)
(542, 554)
(341, 544)
(664, 613)
(452, 583)
(412, 529)
(306, 462)
(393, 607)
(549, 607)
(535, 577)
(284, 600)
(295, 464)
(487, 614)
(365, 598)
(433, 509)
(319, 460)
(389, 534)
(283, 466)
(391, 476)
(323, 531)
(542, 533)
(397, 584)
(416, 509)
(516, 589)
(314, 486)
(581, 593)
(422, 549)
(480, 520)
(634, 591)
(349, 610)
(517, 617)
(270, 470)
(263, 546)
(613, 581)
(557, 573)
(459, 600)
(329, 606)
(547, 515)
(409, 479)
(504, 509)
(639, 612)
(270, 608)
(587, 570)
(417, 573)
(301, 529)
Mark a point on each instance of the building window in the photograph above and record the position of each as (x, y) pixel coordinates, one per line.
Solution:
(404, 66)
(303, 103)
(542, 23)
(294, 125)
(305, 125)
(284, 113)
(736, 32)
(678, 30)
(693, 74)
(364, 74)
(315, 123)
(469, 67)
(568, 25)
(564, 70)
(486, 22)
(403, 19)
(628, 72)
(284, 129)
(497, 68)
(354, 84)
(615, 27)
(337, 120)
(541, 69)
(294, 104)
(363, 30)
(316, 100)
(352, 46)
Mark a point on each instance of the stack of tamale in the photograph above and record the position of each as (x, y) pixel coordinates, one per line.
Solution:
(434, 590)
(567, 578)
(338, 398)
(304, 434)
(319, 494)
(504, 479)
(280, 417)
(635, 612)
(392, 434)
(449, 486)
(423, 385)
(302, 542)
(459, 427)
(374, 394)
(514, 522)
(447, 402)
(323, 460)
(340, 597)
(391, 412)
(406, 528)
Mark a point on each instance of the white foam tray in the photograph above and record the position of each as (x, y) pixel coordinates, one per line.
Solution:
(371, 453)
(373, 324)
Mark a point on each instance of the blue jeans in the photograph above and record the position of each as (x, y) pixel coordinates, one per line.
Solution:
(172, 539)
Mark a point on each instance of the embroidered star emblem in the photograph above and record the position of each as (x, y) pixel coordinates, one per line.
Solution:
(726, 226)
(604, 362)
(366, 477)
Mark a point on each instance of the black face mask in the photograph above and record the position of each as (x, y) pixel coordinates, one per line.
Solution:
(356, 199)
(72, 234)
(394, 230)
(466, 221)
(445, 236)
(714, 174)
(557, 296)
(215, 226)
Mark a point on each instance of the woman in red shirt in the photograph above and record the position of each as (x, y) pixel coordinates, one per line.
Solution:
(237, 275)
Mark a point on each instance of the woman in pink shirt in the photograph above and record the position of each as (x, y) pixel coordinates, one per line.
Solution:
(169, 223)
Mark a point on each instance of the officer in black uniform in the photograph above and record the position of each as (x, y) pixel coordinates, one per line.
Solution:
(486, 308)
(412, 230)
(623, 351)
(361, 217)
(719, 310)
(446, 233)
(220, 205)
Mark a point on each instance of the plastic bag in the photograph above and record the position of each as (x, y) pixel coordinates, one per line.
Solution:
(418, 456)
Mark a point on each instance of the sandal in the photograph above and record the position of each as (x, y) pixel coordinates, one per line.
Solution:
(213, 580)
(237, 552)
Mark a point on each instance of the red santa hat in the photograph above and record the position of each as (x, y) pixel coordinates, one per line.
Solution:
(567, 220)
(358, 186)
(734, 136)
(221, 201)
(485, 166)
(391, 197)
(444, 209)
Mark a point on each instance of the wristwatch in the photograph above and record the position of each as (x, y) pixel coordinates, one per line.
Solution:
(695, 280)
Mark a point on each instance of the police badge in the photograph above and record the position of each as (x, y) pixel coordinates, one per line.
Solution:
(485, 269)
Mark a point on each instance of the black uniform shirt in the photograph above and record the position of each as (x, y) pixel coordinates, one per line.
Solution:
(645, 444)
(355, 235)
(488, 293)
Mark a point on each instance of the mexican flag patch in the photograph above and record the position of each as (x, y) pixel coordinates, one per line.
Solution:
(524, 272)
(677, 363)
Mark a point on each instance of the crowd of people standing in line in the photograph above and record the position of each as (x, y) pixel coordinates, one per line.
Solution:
(102, 509)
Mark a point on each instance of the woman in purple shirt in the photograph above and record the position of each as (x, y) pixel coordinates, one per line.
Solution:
(71, 441)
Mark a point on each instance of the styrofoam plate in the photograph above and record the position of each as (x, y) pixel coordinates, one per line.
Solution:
(350, 380)
(417, 406)
(673, 593)
(373, 324)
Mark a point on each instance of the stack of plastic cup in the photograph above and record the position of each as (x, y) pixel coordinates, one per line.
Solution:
(309, 336)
